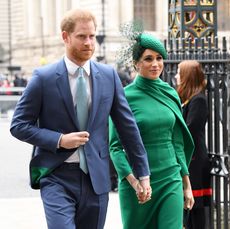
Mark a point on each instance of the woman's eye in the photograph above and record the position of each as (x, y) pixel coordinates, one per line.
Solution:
(151, 59)
(148, 59)
(159, 58)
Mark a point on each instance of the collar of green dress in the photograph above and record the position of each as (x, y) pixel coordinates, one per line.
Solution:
(167, 95)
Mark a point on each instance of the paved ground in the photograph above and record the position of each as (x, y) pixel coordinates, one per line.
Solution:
(20, 206)
(27, 213)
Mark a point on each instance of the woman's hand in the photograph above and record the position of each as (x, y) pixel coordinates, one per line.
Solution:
(143, 193)
(188, 196)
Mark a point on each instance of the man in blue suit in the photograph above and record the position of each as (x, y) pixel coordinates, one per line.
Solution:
(47, 117)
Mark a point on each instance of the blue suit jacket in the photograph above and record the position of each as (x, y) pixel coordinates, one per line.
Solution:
(47, 100)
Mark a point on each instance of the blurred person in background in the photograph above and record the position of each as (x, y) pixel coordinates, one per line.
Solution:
(6, 85)
(191, 84)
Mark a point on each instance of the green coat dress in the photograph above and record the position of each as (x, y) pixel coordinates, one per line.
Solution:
(157, 110)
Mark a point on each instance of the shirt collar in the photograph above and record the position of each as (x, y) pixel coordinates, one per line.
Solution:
(72, 67)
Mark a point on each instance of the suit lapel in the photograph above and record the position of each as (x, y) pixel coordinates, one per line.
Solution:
(96, 92)
(64, 89)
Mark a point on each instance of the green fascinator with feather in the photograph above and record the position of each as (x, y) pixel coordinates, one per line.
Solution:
(138, 41)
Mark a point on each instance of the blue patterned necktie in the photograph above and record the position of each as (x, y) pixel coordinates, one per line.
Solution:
(82, 113)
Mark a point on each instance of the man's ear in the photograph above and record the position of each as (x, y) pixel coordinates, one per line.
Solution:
(65, 36)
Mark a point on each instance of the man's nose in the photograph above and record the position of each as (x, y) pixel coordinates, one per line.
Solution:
(87, 41)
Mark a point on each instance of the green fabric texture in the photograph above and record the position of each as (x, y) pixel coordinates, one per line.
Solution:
(161, 91)
(157, 110)
(37, 173)
(150, 42)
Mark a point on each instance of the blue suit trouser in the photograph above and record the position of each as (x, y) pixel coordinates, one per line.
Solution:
(69, 200)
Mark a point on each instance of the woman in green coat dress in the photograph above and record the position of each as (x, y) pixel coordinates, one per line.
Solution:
(157, 109)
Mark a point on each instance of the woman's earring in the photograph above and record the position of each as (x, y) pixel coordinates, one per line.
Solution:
(136, 68)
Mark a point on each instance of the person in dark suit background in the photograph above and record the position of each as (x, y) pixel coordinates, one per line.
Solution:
(70, 165)
(191, 86)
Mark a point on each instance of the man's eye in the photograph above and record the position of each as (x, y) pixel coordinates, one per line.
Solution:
(80, 37)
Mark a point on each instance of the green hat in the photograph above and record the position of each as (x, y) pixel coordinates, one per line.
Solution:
(150, 42)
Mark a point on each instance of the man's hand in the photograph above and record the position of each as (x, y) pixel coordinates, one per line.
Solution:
(145, 194)
(74, 139)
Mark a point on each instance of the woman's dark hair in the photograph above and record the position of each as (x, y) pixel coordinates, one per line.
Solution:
(138, 50)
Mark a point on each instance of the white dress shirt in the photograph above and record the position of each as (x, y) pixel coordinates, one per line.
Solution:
(72, 69)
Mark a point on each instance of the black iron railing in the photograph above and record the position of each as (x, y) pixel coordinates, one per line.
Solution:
(216, 65)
